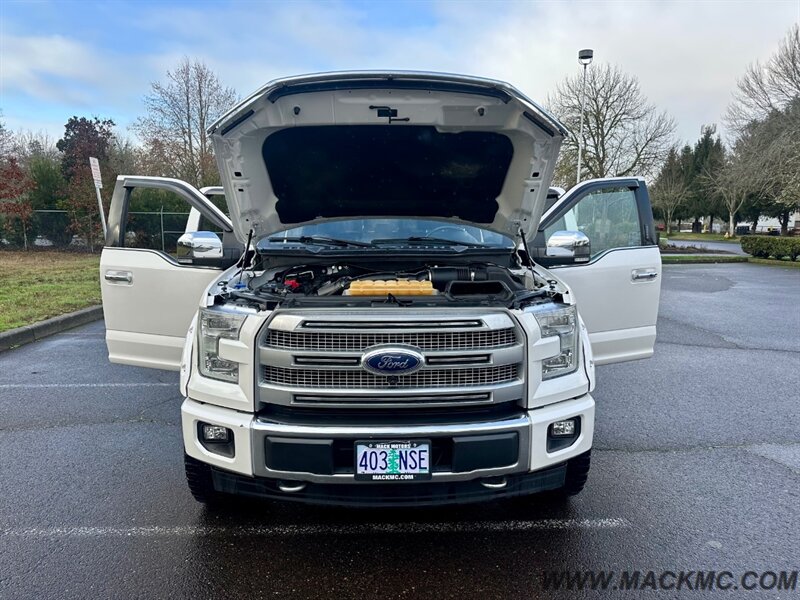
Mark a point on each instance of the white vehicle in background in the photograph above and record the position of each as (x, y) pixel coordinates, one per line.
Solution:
(195, 221)
(409, 325)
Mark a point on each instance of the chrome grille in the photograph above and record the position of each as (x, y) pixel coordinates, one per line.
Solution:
(357, 379)
(424, 340)
(472, 356)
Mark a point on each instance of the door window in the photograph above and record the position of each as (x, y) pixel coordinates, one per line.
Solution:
(609, 217)
(156, 219)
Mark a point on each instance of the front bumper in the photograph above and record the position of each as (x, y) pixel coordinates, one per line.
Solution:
(462, 469)
(394, 494)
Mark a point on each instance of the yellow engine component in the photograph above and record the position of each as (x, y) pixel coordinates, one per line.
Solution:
(396, 287)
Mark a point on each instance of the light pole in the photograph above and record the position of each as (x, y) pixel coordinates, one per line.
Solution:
(585, 57)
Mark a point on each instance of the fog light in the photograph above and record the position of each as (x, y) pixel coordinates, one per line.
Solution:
(563, 428)
(215, 433)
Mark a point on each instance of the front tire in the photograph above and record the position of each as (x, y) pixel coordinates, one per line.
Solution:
(198, 477)
(577, 474)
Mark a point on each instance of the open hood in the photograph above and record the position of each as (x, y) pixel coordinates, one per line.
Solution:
(329, 146)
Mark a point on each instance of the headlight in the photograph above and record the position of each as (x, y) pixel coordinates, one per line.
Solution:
(214, 325)
(560, 320)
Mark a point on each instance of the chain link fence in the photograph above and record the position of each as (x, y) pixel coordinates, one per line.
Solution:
(157, 230)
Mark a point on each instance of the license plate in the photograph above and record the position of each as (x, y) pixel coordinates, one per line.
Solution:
(393, 461)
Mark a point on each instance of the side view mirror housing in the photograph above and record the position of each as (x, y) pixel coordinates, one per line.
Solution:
(199, 245)
(567, 247)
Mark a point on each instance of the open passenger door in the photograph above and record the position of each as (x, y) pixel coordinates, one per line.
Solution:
(150, 296)
(617, 278)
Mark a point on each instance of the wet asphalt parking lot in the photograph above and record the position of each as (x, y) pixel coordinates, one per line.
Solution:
(696, 466)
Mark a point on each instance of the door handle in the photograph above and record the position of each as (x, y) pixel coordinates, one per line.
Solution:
(643, 274)
(119, 276)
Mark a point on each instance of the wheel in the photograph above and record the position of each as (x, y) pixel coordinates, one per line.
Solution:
(198, 476)
(577, 473)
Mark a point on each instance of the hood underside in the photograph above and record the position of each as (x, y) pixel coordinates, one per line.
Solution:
(386, 145)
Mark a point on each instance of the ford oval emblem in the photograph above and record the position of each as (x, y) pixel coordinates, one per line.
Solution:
(392, 361)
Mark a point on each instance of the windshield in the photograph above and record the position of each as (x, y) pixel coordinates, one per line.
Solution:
(394, 232)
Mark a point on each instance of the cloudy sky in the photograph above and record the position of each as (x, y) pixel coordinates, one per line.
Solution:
(59, 58)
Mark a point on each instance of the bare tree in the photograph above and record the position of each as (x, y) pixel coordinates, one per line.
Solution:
(765, 120)
(624, 134)
(733, 188)
(125, 157)
(29, 145)
(739, 179)
(671, 189)
(6, 139)
(769, 86)
(772, 146)
(179, 110)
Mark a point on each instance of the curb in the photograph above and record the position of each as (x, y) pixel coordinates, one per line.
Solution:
(689, 259)
(32, 333)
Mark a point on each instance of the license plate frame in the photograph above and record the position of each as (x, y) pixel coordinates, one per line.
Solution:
(402, 471)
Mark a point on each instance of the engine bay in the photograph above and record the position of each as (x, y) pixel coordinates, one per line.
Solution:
(404, 283)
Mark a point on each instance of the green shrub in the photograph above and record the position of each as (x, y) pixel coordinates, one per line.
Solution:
(762, 246)
(758, 246)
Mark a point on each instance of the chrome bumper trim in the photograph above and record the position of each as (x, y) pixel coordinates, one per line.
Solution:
(262, 428)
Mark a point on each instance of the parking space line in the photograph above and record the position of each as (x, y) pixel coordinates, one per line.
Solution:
(309, 530)
(19, 386)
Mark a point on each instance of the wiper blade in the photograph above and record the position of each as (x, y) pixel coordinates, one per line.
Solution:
(424, 240)
(319, 240)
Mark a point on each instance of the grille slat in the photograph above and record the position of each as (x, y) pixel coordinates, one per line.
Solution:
(344, 379)
(359, 341)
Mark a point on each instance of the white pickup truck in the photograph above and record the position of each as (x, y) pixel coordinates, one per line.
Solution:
(406, 325)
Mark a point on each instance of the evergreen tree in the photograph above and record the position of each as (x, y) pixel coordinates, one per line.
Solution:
(708, 157)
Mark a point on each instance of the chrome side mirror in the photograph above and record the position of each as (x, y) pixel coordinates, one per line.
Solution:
(198, 244)
(573, 245)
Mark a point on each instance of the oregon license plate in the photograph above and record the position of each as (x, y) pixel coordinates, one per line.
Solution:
(393, 461)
